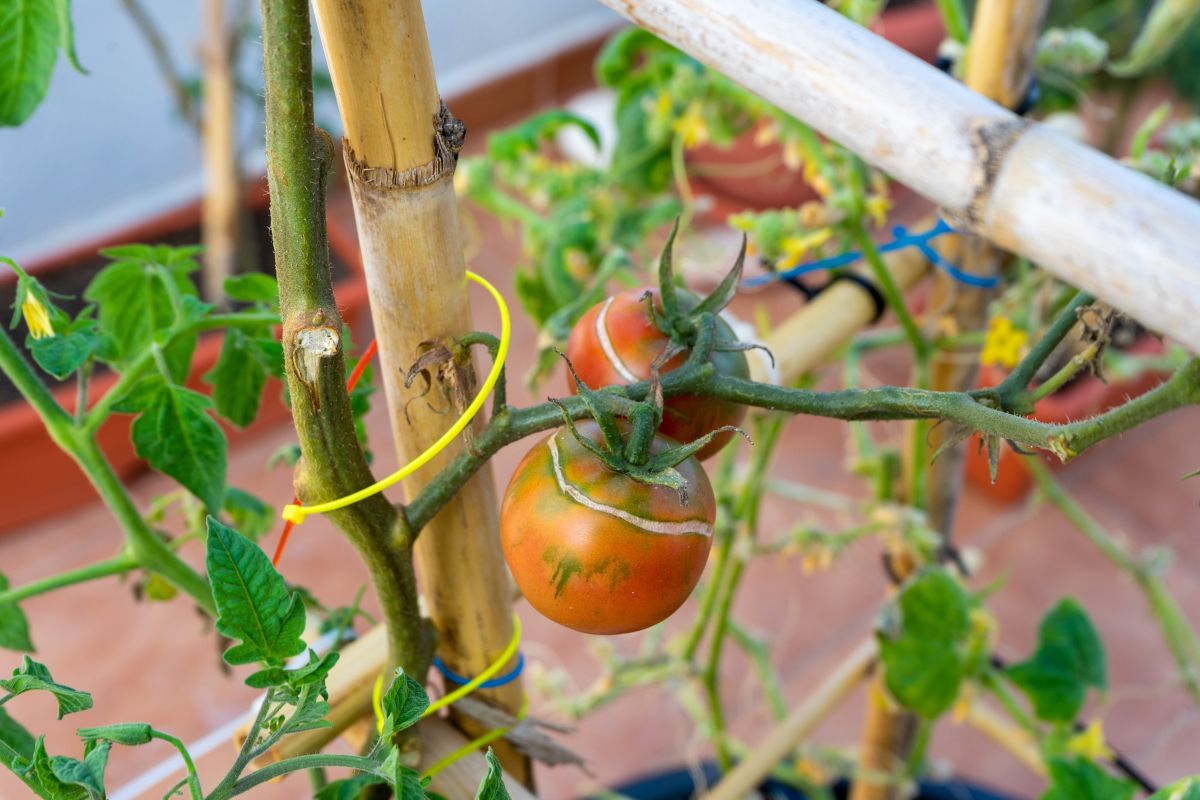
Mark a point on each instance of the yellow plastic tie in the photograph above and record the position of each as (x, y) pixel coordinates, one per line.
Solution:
(505, 656)
(296, 514)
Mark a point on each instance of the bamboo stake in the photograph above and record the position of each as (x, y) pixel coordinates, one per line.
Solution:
(824, 699)
(999, 62)
(221, 211)
(401, 148)
(1003, 732)
(999, 66)
(805, 339)
(1078, 213)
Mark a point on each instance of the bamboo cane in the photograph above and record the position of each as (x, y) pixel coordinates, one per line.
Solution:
(1078, 213)
(999, 62)
(1003, 732)
(220, 213)
(401, 148)
(839, 684)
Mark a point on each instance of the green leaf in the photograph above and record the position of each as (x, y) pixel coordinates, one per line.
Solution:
(173, 432)
(29, 39)
(237, 379)
(1080, 779)
(254, 605)
(32, 676)
(130, 734)
(251, 516)
(349, 788)
(14, 627)
(1069, 658)
(87, 774)
(1186, 789)
(253, 287)
(62, 354)
(134, 298)
(492, 785)
(403, 704)
(66, 34)
(924, 650)
(15, 741)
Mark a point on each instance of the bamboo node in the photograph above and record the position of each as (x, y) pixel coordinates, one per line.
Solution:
(992, 139)
(449, 135)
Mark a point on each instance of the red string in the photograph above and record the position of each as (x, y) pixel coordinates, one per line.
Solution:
(363, 361)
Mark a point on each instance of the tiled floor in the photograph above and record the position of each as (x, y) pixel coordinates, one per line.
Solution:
(160, 662)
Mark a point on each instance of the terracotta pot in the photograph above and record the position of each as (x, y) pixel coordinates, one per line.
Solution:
(1082, 398)
(37, 480)
(752, 176)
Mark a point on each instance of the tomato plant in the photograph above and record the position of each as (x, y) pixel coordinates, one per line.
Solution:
(597, 550)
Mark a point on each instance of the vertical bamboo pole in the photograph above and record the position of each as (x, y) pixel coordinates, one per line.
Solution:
(401, 148)
(999, 62)
(221, 212)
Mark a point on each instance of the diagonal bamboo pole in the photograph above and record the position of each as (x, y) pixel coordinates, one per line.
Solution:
(999, 63)
(401, 148)
(1078, 213)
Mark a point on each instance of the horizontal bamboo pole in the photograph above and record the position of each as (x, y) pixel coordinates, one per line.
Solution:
(1081, 215)
(805, 339)
(839, 684)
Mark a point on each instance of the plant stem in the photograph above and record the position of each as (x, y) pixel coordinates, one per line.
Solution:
(1018, 380)
(146, 546)
(889, 290)
(1068, 371)
(299, 157)
(954, 17)
(883, 403)
(193, 779)
(116, 565)
(313, 761)
(1180, 637)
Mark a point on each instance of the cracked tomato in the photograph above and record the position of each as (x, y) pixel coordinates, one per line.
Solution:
(595, 550)
(616, 342)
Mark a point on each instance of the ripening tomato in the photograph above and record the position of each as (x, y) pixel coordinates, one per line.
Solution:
(595, 550)
(616, 342)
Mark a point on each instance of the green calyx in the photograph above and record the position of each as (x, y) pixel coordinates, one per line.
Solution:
(626, 449)
(683, 322)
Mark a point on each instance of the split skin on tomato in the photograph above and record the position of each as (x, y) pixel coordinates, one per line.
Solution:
(616, 342)
(595, 550)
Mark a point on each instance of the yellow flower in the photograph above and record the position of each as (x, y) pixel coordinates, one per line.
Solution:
(662, 104)
(1090, 743)
(691, 127)
(36, 317)
(766, 134)
(1004, 343)
(795, 247)
(812, 770)
(877, 208)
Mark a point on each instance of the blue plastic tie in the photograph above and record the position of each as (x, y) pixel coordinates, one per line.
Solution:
(901, 238)
(494, 683)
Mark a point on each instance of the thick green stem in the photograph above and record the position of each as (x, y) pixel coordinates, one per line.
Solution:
(117, 565)
(883, 403)
(298, 163)
(146, 546)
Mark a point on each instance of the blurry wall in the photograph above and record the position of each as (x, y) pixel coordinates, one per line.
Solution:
(107, 148)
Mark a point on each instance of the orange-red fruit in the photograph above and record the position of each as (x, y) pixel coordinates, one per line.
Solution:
(595, 550)
(615, 342)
